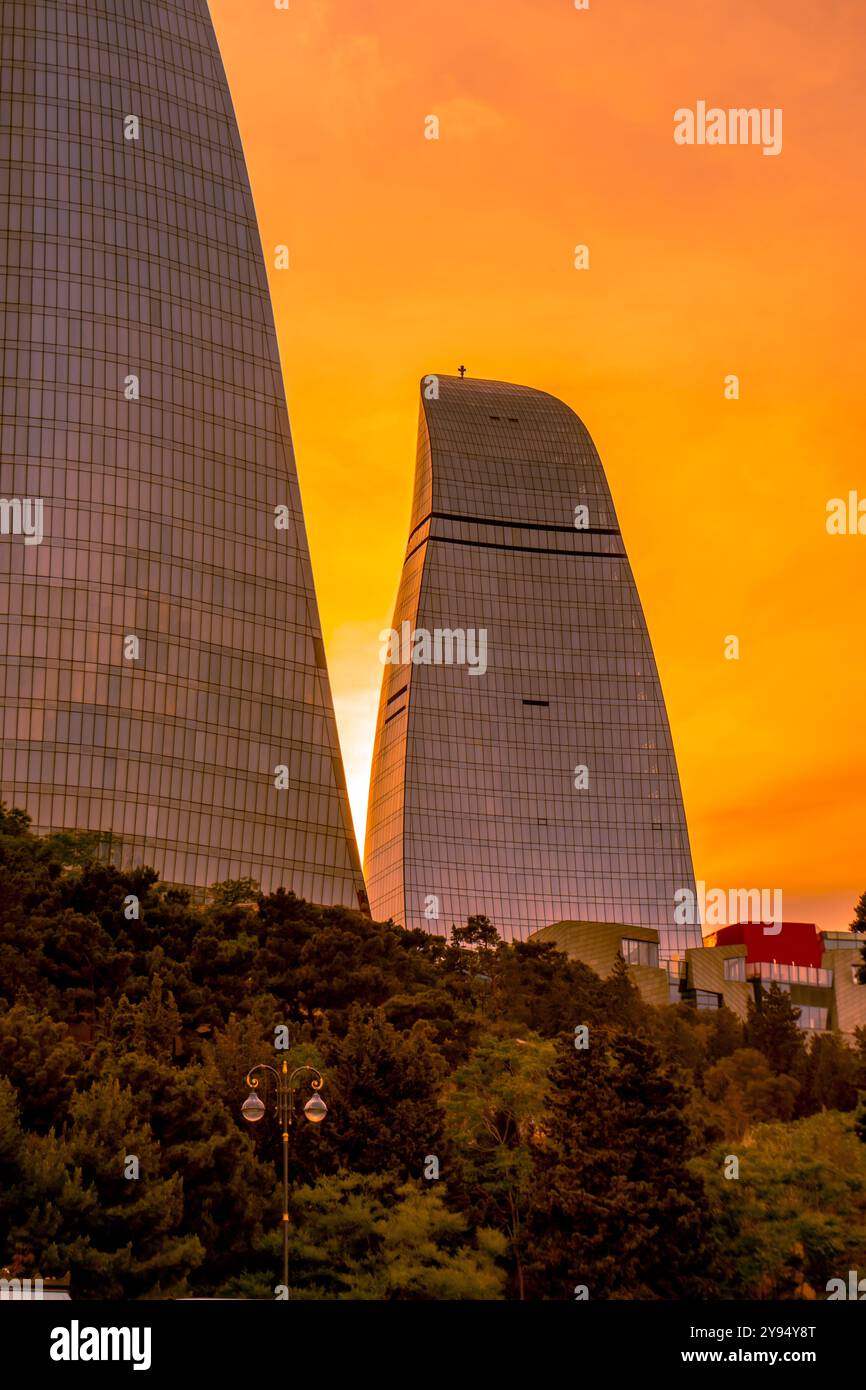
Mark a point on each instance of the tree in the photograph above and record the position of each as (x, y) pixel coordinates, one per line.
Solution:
(453, 1027)
(831, 1076)
(796, 1215)
(228, 1192)
(691, 1039)
(14, 822)
(772, 1030)
(859, 925)
(384, 1114)
(150, 1026)
(234, 891)
(330, 959)
(479, 934)
(615, 1208)
(537, 987)
(41, 1059)
(14, 1187)
(121, 1234)
(744, 1092)
(365, 1237)
(492, 1105)
(621, 998)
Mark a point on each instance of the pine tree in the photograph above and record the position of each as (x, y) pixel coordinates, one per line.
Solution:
(354, 1236)
(859, 925)
(772, 1029)
(831, 1075)
(195, 1119)
(42, 1060)
(150, 1026)
(622, 1000)
(382, 1092)
(137, 1245)
(12, 1166)
(615, 1209)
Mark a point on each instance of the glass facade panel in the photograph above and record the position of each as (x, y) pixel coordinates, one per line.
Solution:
(640, 952)
(544, 788)
(782, 973)
(160, 651)
(812, 1017)
(705, 999)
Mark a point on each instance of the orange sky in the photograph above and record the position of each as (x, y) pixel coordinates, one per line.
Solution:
(410, 255)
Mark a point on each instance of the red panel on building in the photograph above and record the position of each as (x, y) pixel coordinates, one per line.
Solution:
(798, 943)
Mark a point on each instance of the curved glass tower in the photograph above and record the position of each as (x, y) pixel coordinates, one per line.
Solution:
(523, 765)
(162, 674)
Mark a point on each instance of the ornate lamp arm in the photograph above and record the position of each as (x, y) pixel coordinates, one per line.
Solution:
(262, 1066)
(291, 1087)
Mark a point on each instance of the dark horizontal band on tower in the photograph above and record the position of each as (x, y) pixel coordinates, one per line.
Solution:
(529, 549)
(513, 525)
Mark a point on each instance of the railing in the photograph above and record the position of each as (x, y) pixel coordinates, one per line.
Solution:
(768, 971)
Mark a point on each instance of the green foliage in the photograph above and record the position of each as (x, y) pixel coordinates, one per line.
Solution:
(383, 1089)
(130, 1016)
(772, 1030)
(796, 1215)
(122, 1235)
(479, 935)
(615, 1208)
(357, 1236)
(233, 891)
(745, 1091)
(493, 1105)
(832, 1075)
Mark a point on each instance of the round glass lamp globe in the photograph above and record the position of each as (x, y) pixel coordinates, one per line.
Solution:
(252, 1109)
(315, 1110)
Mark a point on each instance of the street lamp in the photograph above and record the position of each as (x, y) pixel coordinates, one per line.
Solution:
(315, 1110)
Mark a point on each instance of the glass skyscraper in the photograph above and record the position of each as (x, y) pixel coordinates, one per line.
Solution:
(539, 785)
(162, 673)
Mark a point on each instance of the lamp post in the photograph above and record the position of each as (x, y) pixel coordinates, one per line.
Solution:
(315, 1110)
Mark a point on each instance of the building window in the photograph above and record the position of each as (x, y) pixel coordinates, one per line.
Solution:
(706, 999)
(640, 952)
(768, 971)
(735, 968)
(812, 1017)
